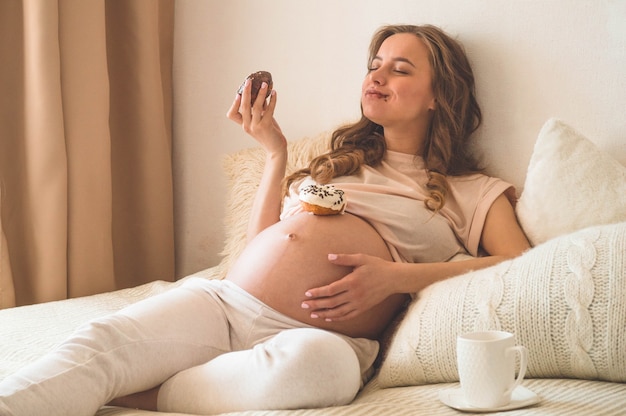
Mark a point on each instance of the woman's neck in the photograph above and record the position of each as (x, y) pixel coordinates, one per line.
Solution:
(405, 141)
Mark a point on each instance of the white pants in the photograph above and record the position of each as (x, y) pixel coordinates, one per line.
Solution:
(214, 347)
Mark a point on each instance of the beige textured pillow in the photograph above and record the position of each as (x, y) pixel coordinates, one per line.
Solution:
(570, 184)
(565, 300)
(243, 171)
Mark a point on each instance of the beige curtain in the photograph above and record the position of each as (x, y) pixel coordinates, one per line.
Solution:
(85, 147)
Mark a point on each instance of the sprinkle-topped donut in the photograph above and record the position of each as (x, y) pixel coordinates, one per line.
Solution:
(322, 199)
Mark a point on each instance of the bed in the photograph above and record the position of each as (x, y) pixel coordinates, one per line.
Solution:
(565, 299)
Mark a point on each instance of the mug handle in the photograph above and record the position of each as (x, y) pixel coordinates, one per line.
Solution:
(522, 366)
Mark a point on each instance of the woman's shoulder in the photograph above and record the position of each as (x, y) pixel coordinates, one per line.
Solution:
(478, 188)
(470, 177)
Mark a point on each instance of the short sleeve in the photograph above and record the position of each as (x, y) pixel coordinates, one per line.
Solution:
(469, 202)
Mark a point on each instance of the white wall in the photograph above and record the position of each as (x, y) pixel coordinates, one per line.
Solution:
(533, 59)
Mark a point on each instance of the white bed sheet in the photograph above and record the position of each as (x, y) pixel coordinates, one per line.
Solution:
(28, 332)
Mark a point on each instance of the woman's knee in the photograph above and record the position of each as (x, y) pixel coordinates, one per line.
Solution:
(319, 367)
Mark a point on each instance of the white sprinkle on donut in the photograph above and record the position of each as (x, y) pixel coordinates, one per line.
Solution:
(324, 196)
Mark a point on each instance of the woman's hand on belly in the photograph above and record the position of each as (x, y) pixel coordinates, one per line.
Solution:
(288, 259)
(369, 284)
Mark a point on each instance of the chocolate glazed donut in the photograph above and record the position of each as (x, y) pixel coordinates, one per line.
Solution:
(257, 78)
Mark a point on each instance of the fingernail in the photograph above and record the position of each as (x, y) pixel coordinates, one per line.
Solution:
(308, 294)
(328, 320)
(314, 316)
(304, 306)
(332, 257)
(263, 85)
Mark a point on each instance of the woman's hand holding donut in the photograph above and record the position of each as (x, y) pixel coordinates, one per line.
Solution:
(257, 119)
(362, 289)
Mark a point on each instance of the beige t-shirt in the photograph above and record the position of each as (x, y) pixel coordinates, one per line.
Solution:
(391, 198)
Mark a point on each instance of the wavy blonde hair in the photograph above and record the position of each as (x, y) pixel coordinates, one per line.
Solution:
(446, 150)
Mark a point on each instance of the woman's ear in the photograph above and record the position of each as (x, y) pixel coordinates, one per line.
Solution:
(433, 104)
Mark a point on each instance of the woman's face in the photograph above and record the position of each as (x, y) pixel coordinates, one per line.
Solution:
(397, 92)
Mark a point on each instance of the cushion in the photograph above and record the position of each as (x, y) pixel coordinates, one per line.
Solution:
(570, 184)
(565, 300)
(243, 171)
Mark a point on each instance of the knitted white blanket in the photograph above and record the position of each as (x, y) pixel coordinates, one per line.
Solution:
(564, 300)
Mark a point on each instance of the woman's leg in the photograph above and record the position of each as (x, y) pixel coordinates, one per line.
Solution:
(130, 351)
(298, 368)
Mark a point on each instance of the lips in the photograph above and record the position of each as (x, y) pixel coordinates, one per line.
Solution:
(374, 93)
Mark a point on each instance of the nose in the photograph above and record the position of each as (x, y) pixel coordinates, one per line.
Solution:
(377, 77)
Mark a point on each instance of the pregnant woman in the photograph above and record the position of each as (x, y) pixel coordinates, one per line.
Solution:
(295, 322)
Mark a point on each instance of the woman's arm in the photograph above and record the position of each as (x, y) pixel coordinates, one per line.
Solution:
(267, 201)
(502, 237)
(373, 279)
(258, 121)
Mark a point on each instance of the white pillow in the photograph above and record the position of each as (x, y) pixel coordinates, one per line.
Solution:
(565, 300)
(570, 184)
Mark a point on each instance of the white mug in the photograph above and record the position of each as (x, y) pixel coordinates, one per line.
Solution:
(486, 363)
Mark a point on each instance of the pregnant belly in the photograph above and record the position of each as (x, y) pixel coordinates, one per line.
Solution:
(285, 260)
